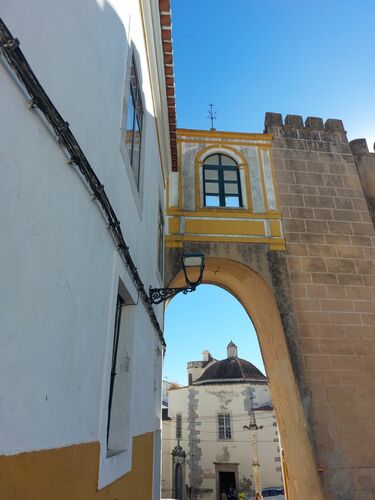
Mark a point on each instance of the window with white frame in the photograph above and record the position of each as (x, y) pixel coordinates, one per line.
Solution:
(224, 425)
(178, 426)
(118, 415)
(134, 122)
(221, 182)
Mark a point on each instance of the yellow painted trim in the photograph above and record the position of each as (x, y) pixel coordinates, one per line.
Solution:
(216, 133)
(277, 246)
(198, 164)
(222, 141)
(71, 473)
(260, 159)
(174, 243)
(174, 225)
(222, 213)
(180, 175)
(275, 228)
(226, 227)
(177, 241)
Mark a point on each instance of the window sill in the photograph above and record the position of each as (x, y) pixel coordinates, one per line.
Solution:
(113, 466)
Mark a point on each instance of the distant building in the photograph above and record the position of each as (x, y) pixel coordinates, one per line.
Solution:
(206, 446)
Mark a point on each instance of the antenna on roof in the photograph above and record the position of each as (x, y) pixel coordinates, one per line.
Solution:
(212, 116)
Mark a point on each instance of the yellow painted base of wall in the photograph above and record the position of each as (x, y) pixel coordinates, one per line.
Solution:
(71, 473)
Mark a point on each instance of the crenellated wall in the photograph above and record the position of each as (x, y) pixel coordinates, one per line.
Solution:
(365, 162)
(323, 285)
(325, 190)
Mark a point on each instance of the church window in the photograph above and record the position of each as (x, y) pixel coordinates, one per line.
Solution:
(134, 123)
(178, 426)
(224, 423)
(221, 182)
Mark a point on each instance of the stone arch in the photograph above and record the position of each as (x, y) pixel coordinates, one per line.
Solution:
(258, 299)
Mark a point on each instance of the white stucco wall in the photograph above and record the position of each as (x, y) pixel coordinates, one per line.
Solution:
(205, 402)
(60, 268)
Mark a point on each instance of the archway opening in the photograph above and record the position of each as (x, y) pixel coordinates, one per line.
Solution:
(219, 404)
(256, 297)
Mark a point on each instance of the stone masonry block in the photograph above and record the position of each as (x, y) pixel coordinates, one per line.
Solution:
(273, 120)
(294, 121)
(334, 125)
(309, 134)
(314, 122)
(359, 146)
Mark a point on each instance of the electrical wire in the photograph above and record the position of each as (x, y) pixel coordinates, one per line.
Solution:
(16, 60)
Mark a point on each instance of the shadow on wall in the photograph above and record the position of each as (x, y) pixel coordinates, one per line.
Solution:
(83, 71)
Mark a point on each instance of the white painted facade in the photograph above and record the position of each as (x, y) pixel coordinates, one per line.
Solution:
(60, 269)
(199, 406)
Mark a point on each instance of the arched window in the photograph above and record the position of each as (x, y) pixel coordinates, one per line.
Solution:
(221, 182)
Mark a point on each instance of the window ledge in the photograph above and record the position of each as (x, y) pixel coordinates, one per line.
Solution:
(113, 467)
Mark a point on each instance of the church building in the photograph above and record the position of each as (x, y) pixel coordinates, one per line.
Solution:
(220, 432)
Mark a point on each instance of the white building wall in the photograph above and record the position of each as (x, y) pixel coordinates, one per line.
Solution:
(200, 434)
(168, 437)
(60, 267)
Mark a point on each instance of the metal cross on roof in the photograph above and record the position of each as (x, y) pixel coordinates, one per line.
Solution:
(212, 116)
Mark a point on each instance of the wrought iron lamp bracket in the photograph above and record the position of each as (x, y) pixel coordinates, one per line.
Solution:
(159, 295)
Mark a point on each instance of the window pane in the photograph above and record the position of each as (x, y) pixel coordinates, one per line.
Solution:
(230, 175)
(212, 160)
(224, 426)
(211, 174)
(139, 112)
(212, 188)
(232, 201)
(231, 188)
(133, 79)
(212, 201)
(136, 152)
(225, 160)
(129, 127)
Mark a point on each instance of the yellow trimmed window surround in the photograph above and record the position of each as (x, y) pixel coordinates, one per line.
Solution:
(224, 190)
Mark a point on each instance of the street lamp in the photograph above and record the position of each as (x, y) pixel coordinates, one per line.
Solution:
(193, 266)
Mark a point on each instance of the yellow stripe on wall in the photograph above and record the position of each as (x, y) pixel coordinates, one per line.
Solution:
(275, 228)
(71, 473)
(174, 225)
(233, 227)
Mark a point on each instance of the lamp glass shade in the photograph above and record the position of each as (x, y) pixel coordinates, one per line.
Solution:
(193, 265)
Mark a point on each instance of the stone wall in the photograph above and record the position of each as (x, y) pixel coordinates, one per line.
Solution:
(330, 259)
(365, 162)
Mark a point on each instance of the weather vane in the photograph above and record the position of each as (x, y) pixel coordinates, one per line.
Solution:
(212, 116)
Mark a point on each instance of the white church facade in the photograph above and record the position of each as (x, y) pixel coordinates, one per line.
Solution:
(220, 431)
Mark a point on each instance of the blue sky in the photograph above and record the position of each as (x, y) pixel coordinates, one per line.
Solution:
(292, 57)
(207, 319)
(248, 57)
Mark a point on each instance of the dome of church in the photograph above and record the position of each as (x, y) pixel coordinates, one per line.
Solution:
(231, 370)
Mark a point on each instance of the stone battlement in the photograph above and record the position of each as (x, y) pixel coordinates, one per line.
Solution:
(359, 146)
(296, 121)
(313, 128)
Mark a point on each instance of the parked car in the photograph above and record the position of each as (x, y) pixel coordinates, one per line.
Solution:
(276, 493)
